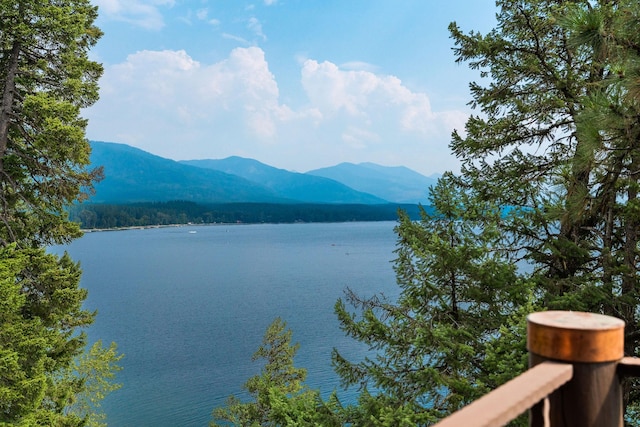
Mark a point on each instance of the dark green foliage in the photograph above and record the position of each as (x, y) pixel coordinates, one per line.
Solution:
(180, 212)
(609, 130)
(279, 396)
(560, 136)
(433, 344)
(41, 311)
(46, 78)
(555, 140)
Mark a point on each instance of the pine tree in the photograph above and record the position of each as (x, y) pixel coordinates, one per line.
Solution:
(550, 178)
(43, 373)
(458, 288)
(279, 395)
(610, 125)
(544, 145)
(46, 77)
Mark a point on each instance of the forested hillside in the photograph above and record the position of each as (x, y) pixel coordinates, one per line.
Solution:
(179, 212)
(132, 175)
(291, 185)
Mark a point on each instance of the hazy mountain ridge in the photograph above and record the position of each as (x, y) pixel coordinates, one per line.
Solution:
(133, 175)
(397, 183)
(292, 185)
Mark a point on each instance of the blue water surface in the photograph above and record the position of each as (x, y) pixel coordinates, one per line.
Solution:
(188, 306)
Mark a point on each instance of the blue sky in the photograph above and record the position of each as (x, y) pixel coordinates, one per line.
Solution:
(297, 84)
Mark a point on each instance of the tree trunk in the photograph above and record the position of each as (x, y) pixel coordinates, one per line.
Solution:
(7, 100)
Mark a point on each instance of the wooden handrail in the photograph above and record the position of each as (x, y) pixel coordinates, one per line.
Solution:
(576, 362)
(512, 398)
(629, 367)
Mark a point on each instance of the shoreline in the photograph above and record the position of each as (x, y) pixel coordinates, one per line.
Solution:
(147, 227)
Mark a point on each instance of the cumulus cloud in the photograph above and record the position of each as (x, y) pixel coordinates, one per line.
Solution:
(373, 99)
(358, 66)
(172, 105)
(165, 93)
(143, 13)
(380, 117)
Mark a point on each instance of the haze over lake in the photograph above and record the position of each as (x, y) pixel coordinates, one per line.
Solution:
(188, 306)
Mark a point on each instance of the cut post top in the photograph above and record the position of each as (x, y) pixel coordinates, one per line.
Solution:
(574, 336)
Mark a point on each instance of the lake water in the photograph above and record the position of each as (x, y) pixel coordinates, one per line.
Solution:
(188, 306)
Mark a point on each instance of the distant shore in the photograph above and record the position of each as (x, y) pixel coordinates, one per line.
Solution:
(146, 227)
(103, 217)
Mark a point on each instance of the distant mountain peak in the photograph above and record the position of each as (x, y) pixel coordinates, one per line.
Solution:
(394, 183)
(134, 175)
(293, 185)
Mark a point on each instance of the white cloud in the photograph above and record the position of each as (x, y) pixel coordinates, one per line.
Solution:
(172, 105)
(202, 14)
(256, 27)
(270, 2)
(155, 90)
(143, 13)
(359, 138)
(358, 66)
(236, 38)
(372, 98)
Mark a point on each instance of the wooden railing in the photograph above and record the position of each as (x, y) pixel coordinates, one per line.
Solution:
(576, 364)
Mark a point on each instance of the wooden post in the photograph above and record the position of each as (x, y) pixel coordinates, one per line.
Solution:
(594, 344)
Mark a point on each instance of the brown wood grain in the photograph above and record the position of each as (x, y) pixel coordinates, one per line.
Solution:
(575, 336)
(512, 398)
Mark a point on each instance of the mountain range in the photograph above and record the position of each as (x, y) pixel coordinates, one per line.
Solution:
(133, 175)
(397, 184)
